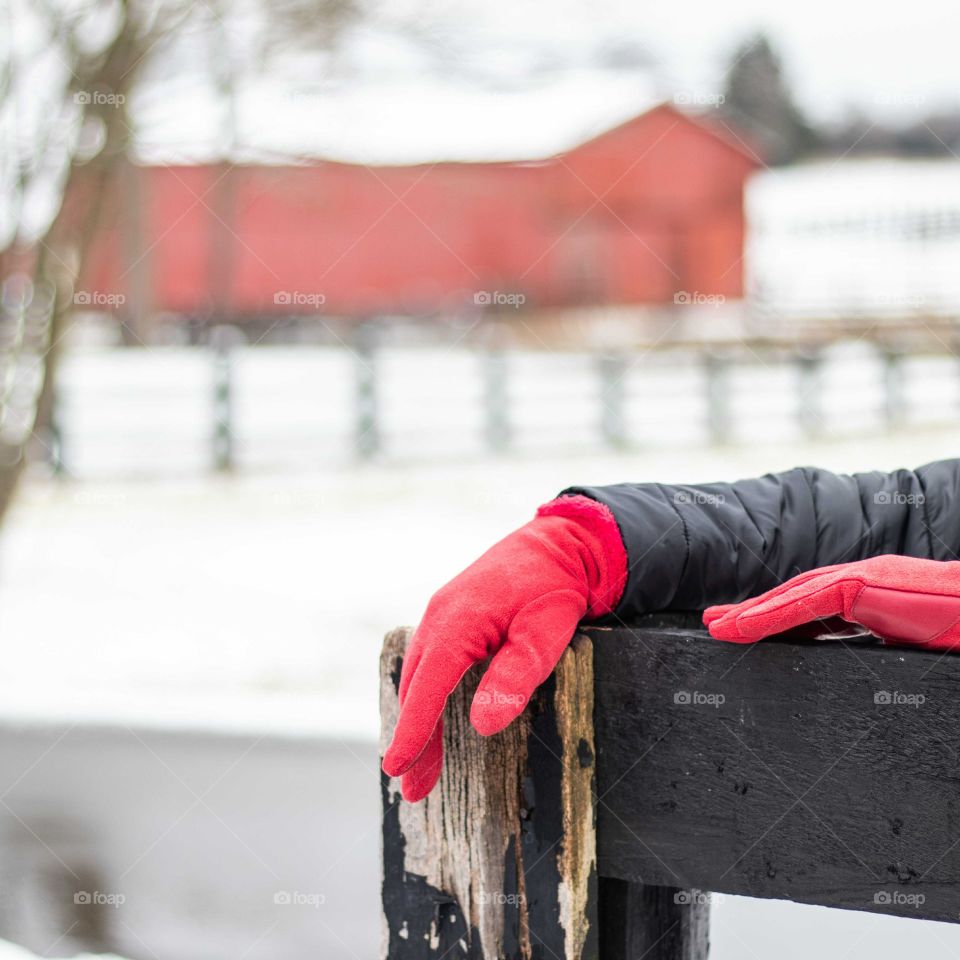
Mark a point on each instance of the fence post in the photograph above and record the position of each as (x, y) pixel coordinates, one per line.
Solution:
(717, 368)
(653, 922)
(223, 338)
(613, 370)
(366, 436)
(809, 392)
(495, 389)
(894, 398)
(500, 860)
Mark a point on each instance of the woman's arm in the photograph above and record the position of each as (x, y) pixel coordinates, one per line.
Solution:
(689, 547)
(629, 549)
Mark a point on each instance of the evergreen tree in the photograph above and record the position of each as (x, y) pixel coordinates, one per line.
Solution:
(758, 101)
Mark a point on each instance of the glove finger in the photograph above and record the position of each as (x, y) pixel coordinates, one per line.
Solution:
(421, 778)
(434, 678)
(817, 599)
(536, 639)
(411, 659)
(711, 614)
(716, 612)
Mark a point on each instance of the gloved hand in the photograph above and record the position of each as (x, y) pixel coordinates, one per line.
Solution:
(899, 599)
(520, 602)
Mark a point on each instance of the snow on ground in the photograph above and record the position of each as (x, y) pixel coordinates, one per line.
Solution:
(260, 601)
(141, 585)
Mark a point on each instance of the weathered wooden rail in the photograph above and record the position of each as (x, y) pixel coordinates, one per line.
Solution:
(657, 766)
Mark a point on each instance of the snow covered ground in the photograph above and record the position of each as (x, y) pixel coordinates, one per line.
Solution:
(142, 591)
(260, 601)
(256, 604)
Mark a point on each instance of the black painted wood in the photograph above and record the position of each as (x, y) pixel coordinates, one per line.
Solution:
(823, 772)
(655, 923)
(499, 861)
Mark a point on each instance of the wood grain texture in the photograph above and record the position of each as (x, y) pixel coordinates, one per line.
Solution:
(818, 772)
(499, 861)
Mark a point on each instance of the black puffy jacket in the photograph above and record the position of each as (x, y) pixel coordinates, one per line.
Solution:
(692, 546)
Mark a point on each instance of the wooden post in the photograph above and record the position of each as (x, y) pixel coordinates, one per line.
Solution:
(656, 923)
(366, 426)
(717, 368)
(809, 392)
(893, 388)
(222, 339)
(821, 773)
(496, 408)
(500, 860)
(613, 370)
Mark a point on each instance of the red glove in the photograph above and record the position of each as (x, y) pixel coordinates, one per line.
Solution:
(899, 599)
(521, 601)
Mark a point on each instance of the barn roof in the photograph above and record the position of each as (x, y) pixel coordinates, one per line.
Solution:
(404, 123)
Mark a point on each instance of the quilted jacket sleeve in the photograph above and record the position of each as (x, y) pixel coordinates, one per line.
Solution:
(692, 546)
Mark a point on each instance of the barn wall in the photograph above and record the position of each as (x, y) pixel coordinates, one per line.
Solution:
(650, 208)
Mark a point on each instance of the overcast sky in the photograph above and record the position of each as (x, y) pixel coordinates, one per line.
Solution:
(879, 58)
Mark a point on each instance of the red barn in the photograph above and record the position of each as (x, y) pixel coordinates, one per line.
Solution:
(646, 209)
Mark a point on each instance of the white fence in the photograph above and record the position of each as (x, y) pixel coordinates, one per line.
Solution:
(182, 411)
(834, 240)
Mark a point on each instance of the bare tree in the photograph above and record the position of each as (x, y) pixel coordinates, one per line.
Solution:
(76, 153)
(89, 96)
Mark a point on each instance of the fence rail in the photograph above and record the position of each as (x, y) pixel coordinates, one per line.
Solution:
(233, 407)
(658, 771)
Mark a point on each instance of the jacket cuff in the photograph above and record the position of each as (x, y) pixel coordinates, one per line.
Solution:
(607, 549)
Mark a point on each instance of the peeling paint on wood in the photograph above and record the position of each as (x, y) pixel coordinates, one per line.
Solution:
(499, 861)
(655, 764)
